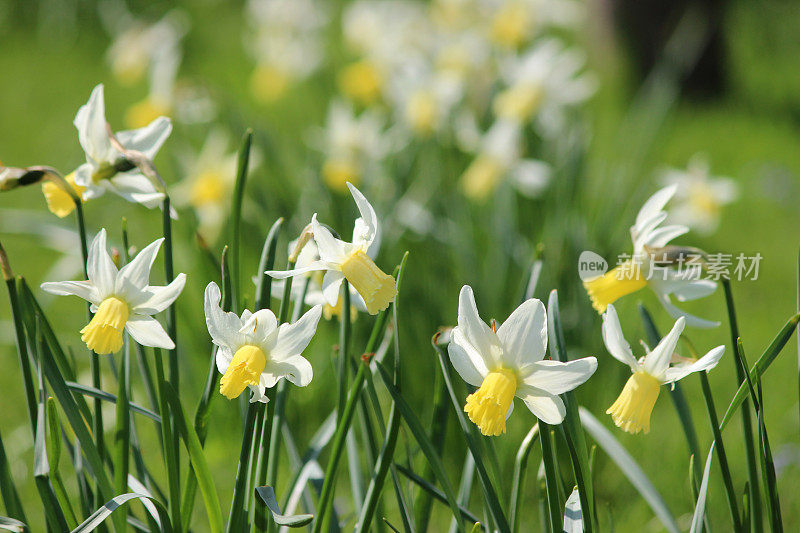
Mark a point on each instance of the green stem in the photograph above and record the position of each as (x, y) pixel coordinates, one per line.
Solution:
(551, 478)
(170, 457)
(518, 486)
(344, 344)
(122, 435)
(237, 513)
(424, 501)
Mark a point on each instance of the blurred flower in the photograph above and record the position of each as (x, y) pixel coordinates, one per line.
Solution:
(631, 411)
(423, 99)
(350, 260)
(362, 82)
(254, 351)
(499, 157)
(700, 196)
(641, 270)
(106, 169)
(508, 361)
(353, 145)
(513, 23)
(121, 299)
(287, 44)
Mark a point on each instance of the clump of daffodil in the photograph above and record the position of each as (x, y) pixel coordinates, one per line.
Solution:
(121, 299)
(700, 196)
(508, 361)
(631, 411)
(640, 271)
(106, 168)
(350, 260)
(254, 351)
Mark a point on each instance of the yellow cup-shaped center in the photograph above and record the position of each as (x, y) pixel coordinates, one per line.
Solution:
(59, 202)
(337, 172)
(361, 82)
(103, 334)
(631, 411)
(487, 407)
(208, 189)
(377, 288)
(269, 83)
(245, 369)
(614, 284)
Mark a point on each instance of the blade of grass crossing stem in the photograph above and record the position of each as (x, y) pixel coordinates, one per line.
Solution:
(111, 398)
(343, 424)
(630, 468)
(209, 393)
(167, 437)
(205, 481)
(551, 477)
(747, 423)
(492, 501)
(675, 393)
(464, 487)
(518, 482)
(765, 453)
(441, 410)
(392, 430)
(236, 215)
(573, 430)
(96, 518)
(760, 366)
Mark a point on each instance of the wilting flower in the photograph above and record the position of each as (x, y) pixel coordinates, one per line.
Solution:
(641, 270)
(59, 202)
(350, 260)
(632, 410)
(106, 169)
(254, 351)
(508, 361)
(121, 299)
(700, 196)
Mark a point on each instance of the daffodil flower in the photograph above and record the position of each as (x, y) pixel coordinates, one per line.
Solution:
(121, 299)
(254, 351)
(350, 260)
(508, 361)
(648, 237)
(106, 169)
(631, 411)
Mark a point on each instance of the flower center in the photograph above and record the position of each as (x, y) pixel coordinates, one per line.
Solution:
(377, 289)
(519, 102)
(702, 199)
(421, 112)
(338, 171)
(614, 284)
(208, 189)
(269, 83)
(481, 177)
(631, 411)
(361, 82)
(58, 201)
(487, 407)
(103, 334)
(245, 369)
(511, 25)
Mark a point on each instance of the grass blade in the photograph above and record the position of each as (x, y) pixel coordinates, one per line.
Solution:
(236, 215)
(699, 510)
(267, 495)
(12, 524)
(91, 523)
(435, 493)
(551, 477)
(518, 483)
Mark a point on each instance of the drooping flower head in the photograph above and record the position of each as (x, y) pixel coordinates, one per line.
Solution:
(254, 351)
(350, 260)
(122, 300)
(508, 361)
(631, 411)
(649, 236)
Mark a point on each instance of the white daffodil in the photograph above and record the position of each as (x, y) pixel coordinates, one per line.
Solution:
(513, 23)
(499, 158)
(254, 351)
(423, 99)
(700, 196)
(508, 361)
(105, 168)
(631, 411)
(121, 299)
(641, 271)
(350, 260)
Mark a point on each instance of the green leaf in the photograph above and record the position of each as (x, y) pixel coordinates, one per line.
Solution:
(111, 398)
(700, 507)
(267, 495)
(437, 494)
(518, 483)
(91, 523)
(12, 524)
(236, 214)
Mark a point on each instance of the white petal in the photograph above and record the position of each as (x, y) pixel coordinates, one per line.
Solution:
(294, 338)
(331, 249)
(545, 406)
(147, 140)
(368, 216)
(283, 274)
(360, 229)
(531, 177)
(148, 332)
(295, 368)
(258, 393)
(694, 289)
(137, 189)
(475, 331)
(615, 341)
(691, 320)
(661, 236)
(259, 326)
(158, 298)
(83, 289)
(136, 274)
(223, 358)
(707, 362)
(655, 204)
(331, 286)
(100, 267)
(90, 122)
(657, 361)
(524, 334)
(223, 327)
(467, 362)
(556, 377)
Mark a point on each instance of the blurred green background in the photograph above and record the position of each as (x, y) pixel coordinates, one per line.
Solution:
(53, 53)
